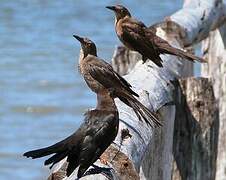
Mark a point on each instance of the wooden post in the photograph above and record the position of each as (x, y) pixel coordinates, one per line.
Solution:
(214, 50)
(195, 131)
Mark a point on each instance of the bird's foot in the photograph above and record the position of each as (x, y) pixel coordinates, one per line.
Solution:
(150, 66)
(107, 172)
(144, 59)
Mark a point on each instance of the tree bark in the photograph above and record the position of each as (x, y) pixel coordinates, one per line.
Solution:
(195, 131)
(214, 50)
(198, 18)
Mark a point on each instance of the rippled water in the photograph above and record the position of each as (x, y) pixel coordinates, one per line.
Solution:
(42, 95)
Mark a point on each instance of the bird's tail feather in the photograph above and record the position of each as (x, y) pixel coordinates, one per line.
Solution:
(140, 110)
(181, 53)
(56, 158)
(149, 117)
(42, 152)
(56, 148)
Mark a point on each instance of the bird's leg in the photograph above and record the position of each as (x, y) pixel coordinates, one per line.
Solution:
(103, 170)
(144, 59)
(95, 166)
(124, 135)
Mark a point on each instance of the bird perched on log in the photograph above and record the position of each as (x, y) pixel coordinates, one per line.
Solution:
(100, 77)
(87, 144)
(137, 37)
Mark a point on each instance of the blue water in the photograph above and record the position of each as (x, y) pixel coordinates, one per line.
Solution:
(42, 95)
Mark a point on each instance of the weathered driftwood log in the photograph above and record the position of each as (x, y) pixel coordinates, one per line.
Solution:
(214, 50)
(198, 18)
(195, 130)
(149, 151)
(124, 60)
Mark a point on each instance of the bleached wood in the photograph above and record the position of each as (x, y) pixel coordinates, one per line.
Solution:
(196, 130)
(124, 60)
(214, 48)
(198, 18)
(150, 150)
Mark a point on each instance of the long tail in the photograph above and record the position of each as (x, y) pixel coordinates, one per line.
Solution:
(168, 49)
(60, 151)
(43, 151)
(140, 110)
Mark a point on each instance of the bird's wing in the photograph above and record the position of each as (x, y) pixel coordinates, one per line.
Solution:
(98, 134)
(158, 41)
(105, 75)
(133, 32)
(164, 47)
(109, 67)
(96, 141)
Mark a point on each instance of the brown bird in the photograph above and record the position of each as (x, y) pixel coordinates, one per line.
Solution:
(87, 144)
(101, 78)
(137, 37)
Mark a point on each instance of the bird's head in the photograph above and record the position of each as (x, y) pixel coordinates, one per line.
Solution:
(88, 46)
(120, 11)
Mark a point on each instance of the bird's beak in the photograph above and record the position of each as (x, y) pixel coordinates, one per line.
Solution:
(80, 39)
(113, 8)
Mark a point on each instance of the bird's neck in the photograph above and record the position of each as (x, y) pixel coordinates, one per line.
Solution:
(119, 18)
(81, 56)
(116, 21)
(105, 102)
(86, 52)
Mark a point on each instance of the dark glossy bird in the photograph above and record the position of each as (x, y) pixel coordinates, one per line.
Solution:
(87, 144)
(137, 37)
(101, 78)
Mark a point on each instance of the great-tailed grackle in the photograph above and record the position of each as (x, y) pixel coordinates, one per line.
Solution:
(87, 144)
(136, 36)
(100, 77)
